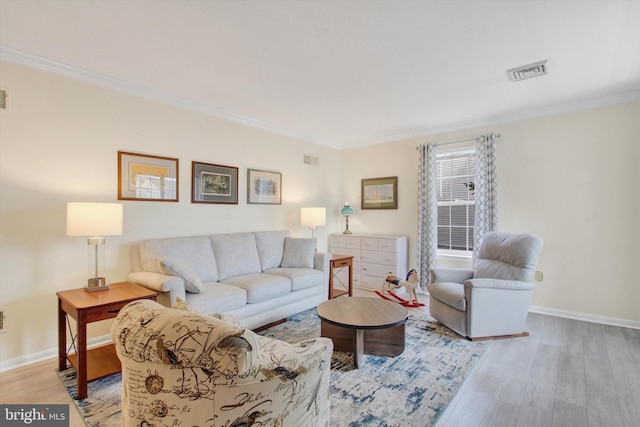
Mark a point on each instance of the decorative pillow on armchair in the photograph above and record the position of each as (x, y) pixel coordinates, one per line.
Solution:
(298, 253)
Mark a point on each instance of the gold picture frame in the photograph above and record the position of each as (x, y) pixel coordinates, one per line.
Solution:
(145, 177)
(379, 193)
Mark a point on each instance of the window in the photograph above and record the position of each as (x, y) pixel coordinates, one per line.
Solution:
(455, 179)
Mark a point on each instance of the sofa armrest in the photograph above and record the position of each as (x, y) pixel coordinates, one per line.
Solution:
(513, 285)
(455, 275)
(160, 283)
(321, 262)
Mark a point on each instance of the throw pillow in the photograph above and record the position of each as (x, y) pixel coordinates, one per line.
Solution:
(298, 253)
(192, 282)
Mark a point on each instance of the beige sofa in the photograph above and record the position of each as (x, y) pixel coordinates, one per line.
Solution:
(188, 369)
(259, 277)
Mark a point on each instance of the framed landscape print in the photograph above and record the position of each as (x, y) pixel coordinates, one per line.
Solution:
(380, 193)
(214, 183)
(147, 178)
(264, 187)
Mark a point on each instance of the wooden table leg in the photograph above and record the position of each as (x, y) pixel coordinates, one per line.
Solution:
(62, 338)
(331, 279)
(358, 347)
(82, 358)
(351, 279)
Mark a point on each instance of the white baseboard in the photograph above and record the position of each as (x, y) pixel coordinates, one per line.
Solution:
(28, 359)
(625, 323)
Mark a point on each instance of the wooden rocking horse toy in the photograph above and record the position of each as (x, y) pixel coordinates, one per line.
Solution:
(411, 284)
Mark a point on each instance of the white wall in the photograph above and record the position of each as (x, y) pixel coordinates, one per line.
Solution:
(58, 142)
(571, 178)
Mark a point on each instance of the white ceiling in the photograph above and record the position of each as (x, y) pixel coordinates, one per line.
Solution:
(339, 73)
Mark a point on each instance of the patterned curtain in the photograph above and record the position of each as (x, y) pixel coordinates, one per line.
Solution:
(427, 213)
(486, 212)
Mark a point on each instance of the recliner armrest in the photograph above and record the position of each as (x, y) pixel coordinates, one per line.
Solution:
(455, 275)
(498, 284)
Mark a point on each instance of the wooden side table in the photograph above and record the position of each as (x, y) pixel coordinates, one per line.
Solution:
(337, 262)
(86, 307)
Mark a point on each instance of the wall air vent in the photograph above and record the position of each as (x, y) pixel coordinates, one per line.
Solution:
(528, 71)
(311, 160)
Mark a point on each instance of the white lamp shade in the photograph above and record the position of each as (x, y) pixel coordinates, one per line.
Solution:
(94, 219)
(313, 217)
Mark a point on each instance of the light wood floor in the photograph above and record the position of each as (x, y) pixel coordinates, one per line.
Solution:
(567, 373)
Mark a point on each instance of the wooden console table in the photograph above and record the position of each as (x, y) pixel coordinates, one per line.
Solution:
(340, 261)
(86, 307)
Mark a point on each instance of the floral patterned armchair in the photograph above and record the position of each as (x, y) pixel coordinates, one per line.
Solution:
(188, 369)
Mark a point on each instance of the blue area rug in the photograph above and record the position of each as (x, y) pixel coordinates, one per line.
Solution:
(412, 389)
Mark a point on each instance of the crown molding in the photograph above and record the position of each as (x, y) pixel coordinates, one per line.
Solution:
(47, 65)
(551, 110)
(43, 64)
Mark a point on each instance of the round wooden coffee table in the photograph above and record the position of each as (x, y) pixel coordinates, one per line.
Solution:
(363, 326)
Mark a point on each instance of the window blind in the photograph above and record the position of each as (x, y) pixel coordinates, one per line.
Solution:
(455, 180)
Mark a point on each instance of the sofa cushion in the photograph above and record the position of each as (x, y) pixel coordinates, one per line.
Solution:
(260, 287)
(173, 267)
(216, 298)
(194, 252)
(236, 254)
(298, 253)
(270, 247)
(301, 278)
(449, 293)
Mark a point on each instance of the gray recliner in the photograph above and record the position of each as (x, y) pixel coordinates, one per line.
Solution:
(492, 299)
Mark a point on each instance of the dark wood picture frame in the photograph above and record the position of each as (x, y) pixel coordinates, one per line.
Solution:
(379, 193)
(211, 183)
(146, 177)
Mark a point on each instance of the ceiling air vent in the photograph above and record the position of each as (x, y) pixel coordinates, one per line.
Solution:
(528, 71)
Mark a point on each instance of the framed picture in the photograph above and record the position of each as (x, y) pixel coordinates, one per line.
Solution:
(380, 193)
(214, 183)
(264, 187)
(147, 178)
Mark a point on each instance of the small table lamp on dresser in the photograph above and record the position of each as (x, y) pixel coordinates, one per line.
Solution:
(346, 211)
(94, 220)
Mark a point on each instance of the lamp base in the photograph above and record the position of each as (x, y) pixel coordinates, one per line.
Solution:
(96, 284)
(346, 231)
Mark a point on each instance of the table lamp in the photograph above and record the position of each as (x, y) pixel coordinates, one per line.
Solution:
(94, 221)
(346, 211)
(313, 218)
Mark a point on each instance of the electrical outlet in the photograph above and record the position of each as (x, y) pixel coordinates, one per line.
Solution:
(539, 276)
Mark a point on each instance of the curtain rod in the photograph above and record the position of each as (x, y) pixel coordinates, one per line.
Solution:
(496, 135)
